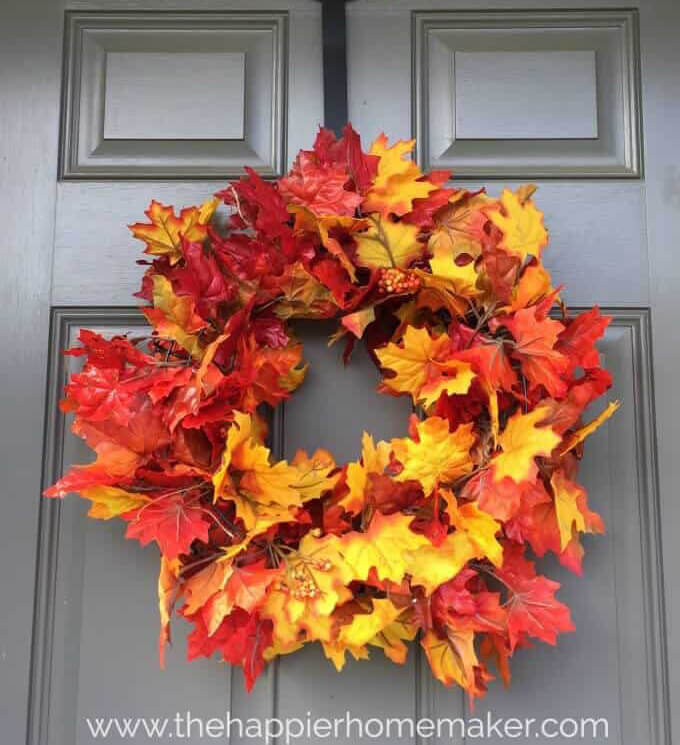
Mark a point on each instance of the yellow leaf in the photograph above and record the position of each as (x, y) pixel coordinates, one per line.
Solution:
(391, 639)
(534, 284)
(364, 626)
(336, 653)
(314, 477)
(384, 546)
(439, 456)
(521, 224)
(168, 588)
(175, 316)
(453, 658)
(388, 244)
(479, 527)
(430, 566)
(576, 437)
(163, 236)
(463, 277)
(261, 483)
(319, 563)
(521, 441)
(571, 509)
(110, 501)
(423, 368)
(396, 183)
(374, 459)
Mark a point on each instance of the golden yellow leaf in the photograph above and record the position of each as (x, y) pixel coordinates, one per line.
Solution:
(364, 626)
(439, 456)
(576, 437)
(479, 527)
(384, 546)
(374, 459)
(396, 183)
(110, 501)
(521, 224)
(168, 589)
(174, 316)
(318, 563)
(391, 639)
(314, 473)
(388, 244)
(423, 367)
(452, 658)
(431, 566)
(521, 441)
(571, 509)
(163, 235)
(261, 483)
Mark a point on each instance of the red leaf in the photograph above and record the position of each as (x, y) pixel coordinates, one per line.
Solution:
(173, 521)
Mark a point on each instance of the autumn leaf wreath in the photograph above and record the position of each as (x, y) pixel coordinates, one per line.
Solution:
(423, 536)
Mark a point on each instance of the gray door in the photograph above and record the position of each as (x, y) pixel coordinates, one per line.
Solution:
(589, 111)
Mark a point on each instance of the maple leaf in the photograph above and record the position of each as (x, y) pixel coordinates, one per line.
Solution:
(172, 520)
(175, 316)
(431, 566)
(438, 456)
(456, 242)
(374, 459)
(452, 657)
(571, 508)
(319, 563)
(242, 587)
(532, 607)
(168, 590)
(580, 434)
(387, 244)
(163, 235)
(521, 225)
(110, 501)
(319, 186)
(535, 338)
(365, 626)
(577, 340)
(260, 483)
(114, 462)
(303, 296)
(397, 182)
(315, 473)
(501, 499)
(358, 321)
(461, 603)
(424, 367)
(99, 393)
(534, 285)
(384, 546)
(241, 639)
(521, 441)
(391, 637)
(478, 526)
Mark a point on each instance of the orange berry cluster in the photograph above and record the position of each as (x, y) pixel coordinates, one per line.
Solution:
(304, 585)
(395, 281)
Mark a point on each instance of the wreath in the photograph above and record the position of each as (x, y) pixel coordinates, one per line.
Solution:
(427, 535)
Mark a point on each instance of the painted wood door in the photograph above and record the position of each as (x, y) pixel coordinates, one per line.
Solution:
(78, 620)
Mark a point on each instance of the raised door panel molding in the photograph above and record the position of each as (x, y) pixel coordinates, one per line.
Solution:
(174, 95)
(517, 94)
